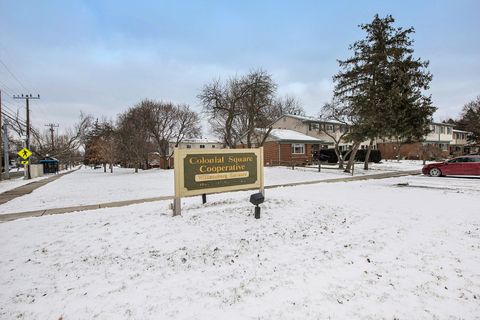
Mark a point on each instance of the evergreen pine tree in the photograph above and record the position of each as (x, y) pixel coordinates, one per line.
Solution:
(383, 85)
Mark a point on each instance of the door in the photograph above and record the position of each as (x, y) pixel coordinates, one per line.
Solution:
(457, 166)
(473, 165)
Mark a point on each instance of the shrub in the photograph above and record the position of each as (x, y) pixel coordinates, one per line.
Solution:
(375, 155)
(330, 153)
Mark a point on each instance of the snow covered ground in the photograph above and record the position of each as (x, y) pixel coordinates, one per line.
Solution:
(400, 248)
(9, 184)
(89, 186)
(16, 182)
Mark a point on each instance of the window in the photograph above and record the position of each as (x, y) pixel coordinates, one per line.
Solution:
(449, 130)
(213, 146)
(202, 146)
(442, 129)
(298, 148)
(189, 146)
(314, 126)
(329, 127)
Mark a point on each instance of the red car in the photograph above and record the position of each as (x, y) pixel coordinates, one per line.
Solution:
(464, 165)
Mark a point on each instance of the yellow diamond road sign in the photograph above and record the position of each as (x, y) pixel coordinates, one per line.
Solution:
(24, 153)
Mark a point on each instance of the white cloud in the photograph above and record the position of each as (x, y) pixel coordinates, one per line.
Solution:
(312, 94)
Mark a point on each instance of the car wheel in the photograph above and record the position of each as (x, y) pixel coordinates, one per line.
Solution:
(435, 172)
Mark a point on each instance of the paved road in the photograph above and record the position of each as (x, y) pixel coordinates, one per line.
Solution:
(39, 213)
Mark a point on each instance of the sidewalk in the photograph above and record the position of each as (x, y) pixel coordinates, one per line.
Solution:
(39, 213)
(29, 187)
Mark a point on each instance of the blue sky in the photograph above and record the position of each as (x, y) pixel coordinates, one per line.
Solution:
(104, 56)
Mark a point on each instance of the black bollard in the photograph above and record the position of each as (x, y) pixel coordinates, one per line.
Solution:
(204, 198)
(256, 199)
(257, 212)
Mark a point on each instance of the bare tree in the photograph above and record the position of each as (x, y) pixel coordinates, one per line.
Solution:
(239, 106)
(223, 104)
(132, 138)
(256, 104)
(288, 105)
(65, 146)
(187, 125)
(428, 152)
(166, 123)
(339, 113)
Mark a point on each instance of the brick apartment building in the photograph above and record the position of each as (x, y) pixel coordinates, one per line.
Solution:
(285, 147)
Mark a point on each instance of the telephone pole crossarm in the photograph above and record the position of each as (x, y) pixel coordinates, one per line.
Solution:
(52, 131)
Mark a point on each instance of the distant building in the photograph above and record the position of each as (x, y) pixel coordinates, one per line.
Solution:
(197, 143)
(156, 161)
(286, 147)
(316, 128)
(443, 137)
(459, 145)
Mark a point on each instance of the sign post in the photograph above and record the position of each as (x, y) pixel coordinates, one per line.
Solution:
(25, 154)
(200, 171)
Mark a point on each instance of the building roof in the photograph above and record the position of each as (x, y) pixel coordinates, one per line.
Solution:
(461, 131)
(442, 124)
(48, 159)
(312, 119)
(199, 140)
(285, 135)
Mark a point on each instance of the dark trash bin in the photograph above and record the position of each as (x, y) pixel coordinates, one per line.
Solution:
(50, 165)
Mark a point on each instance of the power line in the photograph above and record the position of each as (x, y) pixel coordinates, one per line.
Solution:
(8, 90)
(14, 120)
(13, 116)
(10, 95)
(13, 113)
(11, 73)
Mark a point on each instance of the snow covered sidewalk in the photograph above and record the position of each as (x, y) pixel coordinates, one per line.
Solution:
(41, 212)
(88, 187)
(357, 250)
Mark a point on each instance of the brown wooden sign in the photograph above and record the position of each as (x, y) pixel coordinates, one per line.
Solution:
(200, 171)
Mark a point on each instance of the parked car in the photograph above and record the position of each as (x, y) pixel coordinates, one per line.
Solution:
(464, 165)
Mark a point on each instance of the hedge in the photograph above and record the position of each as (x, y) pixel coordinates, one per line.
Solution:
(375, 155)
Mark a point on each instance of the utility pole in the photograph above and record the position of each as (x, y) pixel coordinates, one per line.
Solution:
(27, 98)
(52, 131)
(6, 149)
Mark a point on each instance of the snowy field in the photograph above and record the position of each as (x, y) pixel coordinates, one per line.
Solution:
(89, 186)
(357, 250)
